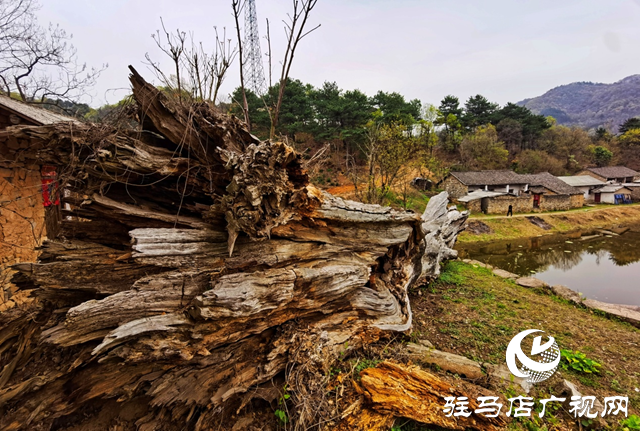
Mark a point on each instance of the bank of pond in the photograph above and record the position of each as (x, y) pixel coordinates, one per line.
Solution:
(601, 264)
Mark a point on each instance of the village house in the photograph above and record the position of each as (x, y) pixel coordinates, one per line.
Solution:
(613, 194)
(611, 174)
(458, 184)
(585, 183)
(492, 192)
(28, 198)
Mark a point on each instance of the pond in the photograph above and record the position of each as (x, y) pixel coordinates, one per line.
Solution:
(602, 264)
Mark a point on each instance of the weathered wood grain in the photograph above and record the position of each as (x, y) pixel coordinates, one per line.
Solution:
(196, 263)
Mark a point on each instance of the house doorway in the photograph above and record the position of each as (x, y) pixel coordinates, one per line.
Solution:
(484, 205)
(536, 201)
(596, 198)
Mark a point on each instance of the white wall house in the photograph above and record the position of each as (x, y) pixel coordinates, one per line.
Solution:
(607, 194)
(585, 183)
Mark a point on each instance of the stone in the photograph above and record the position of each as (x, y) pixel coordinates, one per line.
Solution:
(566, 293)
(628, 313)
(505, 274)
(426, 343)
(531, 282)
(480, 264)
(500, 374)
(447, 361)
(567, 390)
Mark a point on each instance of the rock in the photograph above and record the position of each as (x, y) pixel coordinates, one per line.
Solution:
(501, 374)
(426, 343)
(447, 361)
(477, 227)
(537, 221)
(480, 264)
(531, 282)
(505, 274)
(628, 313)
(566, 293)
(567, 390)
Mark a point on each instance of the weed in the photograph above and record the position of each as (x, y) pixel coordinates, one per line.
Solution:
(578, 361)
(615, 385)
(363, 364)
(281, 412)
(632, 423)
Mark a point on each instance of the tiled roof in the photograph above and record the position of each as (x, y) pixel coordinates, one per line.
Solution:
(545, 179)
(37, 115)
(614, 172)
(479, 194)
(611, 188)
(582, 181)
(488, 178)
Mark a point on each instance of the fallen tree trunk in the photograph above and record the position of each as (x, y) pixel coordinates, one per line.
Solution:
(197, 266)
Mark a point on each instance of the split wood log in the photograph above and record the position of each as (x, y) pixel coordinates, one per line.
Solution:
(409, 392)
(197, 264)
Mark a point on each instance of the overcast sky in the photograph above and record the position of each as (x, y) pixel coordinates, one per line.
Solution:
(506, 50)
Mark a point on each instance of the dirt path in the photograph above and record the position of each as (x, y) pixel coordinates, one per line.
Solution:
(574, 211)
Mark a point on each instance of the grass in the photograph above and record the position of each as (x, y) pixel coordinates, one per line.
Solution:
(471, 312)
(416, 200)
(562, 222)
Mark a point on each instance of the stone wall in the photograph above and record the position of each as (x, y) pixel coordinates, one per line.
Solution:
(524, 204)
(455, 188)
(500, 204)
(555, 202)
(577, 201)
(635, 194)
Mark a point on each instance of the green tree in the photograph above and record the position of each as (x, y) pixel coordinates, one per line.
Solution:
(631, 138)
(449, 117)
(532, 125)
(568, 144)
(510, 132)
(535, 161)
(389, 149)
(478, 111)
(602, 134)
(258, 111)
(601, 156)
(340, 115)
(425, 130)
(629, 124)
(482, 150)
(395, 109)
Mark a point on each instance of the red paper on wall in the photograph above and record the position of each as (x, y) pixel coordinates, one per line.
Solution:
(50, 195)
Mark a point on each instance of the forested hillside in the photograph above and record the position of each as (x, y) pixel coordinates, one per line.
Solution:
(590, 105)
(377, 143)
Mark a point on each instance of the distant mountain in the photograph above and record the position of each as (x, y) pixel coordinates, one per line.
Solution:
(590, 105)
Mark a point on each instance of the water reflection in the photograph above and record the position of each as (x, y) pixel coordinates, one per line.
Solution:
(600, 265)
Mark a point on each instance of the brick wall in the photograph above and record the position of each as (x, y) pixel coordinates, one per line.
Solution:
(455, 188)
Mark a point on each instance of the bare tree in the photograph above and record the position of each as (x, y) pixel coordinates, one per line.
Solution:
(294, 30)
(237, 6)
(196, 72)
(37, 63)
(389, 149)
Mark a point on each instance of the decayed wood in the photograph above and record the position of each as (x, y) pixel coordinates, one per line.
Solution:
(409, 392)
(195, 264)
